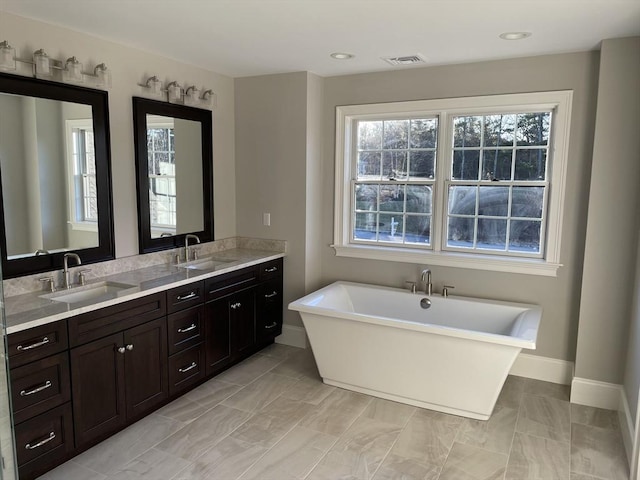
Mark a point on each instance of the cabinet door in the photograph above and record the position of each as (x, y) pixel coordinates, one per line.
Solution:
(269, 310)
(242, 307)
(98, 388)
(217, 335)
(145, 361)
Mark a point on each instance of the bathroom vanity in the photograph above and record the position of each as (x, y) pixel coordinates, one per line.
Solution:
(82, 371)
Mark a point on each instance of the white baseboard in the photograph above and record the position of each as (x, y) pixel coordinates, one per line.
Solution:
(627, 426)
(293, 336)
(543, 368)
(596, 394)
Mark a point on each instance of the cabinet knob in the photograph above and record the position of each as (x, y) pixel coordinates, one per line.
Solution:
(129, 347)
(236, 305)
(121, 349)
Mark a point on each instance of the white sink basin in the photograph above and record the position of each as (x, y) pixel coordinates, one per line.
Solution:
(209, 263)
(95, 292)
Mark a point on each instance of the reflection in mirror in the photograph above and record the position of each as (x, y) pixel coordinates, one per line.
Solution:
(174, 173)
(174, 150)
(55, 169)
(48, 176)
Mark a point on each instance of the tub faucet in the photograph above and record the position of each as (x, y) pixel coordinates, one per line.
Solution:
(426, 277)
(67, 281)
(188, 248)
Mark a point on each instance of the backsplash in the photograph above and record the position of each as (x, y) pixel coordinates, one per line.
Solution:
(31, 283)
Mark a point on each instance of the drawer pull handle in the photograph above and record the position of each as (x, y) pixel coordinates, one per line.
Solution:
(193, 326)
(271, 269)
(44, 341)
(191, 295)
(51, 436)
(26, 393)
(271, 295)
(269, 327)
(129, 347)
(190, 367)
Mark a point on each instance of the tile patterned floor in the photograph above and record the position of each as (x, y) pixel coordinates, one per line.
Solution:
(271, 418)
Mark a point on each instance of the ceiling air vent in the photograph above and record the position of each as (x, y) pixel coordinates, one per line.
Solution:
(405, 61)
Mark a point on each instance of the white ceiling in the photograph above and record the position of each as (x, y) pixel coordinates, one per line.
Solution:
(252, 37)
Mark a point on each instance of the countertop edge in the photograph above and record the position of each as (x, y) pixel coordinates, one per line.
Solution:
(134, 295)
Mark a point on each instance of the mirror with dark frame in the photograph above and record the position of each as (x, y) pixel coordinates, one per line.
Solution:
(174, 173)
(55, 170)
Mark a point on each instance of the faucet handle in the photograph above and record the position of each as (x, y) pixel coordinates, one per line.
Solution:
(445, 290)
(49, 284)
(412, 285)
(82, 276)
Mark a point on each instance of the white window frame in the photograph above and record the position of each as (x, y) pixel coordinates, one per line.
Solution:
(159, 122)
(73, 214)
(559, 102)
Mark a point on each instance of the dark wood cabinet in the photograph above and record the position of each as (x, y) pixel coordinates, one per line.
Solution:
(145, 364)
(44, 441)
(78, 381)
(269, 302)
(118, 365)
(242, 320)
(97, 375)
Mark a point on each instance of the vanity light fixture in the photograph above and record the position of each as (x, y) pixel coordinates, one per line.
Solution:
(44, 67)
(153, 84)
(176, 94)
(7, 56)
(103, 75)
(42, 64)
(191, 95)
(72, 71)
(209, 98)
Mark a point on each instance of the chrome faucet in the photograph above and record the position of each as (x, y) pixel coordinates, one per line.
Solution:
(188, 248)
(67, 282)
(426, 277)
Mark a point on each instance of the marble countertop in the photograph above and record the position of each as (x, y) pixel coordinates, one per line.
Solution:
(34, 309)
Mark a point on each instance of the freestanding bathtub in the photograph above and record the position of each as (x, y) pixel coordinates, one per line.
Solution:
(453, 357)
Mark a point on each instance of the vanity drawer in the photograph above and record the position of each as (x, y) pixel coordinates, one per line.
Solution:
(36, 343)
(185, 328)
(184, 297)
(220, 286)
(44, 441)
(40, 386)
(271, 269)
(90, 326)
(186, 368)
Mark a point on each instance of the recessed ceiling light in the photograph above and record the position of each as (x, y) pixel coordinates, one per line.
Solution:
(342, 56)
(514, 35)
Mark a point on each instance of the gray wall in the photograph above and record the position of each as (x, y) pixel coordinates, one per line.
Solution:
(558, 296)
(271, 151)
(632, 368)
(611, 235)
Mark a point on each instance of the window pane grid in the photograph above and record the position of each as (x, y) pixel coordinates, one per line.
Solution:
(517, 229)
(392, 212)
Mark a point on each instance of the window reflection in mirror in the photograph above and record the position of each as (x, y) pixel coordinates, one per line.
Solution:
(174, 173)
(47, 159)
(174, 151)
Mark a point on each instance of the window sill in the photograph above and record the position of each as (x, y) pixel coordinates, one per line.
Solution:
(525, 266)
(84, 226)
